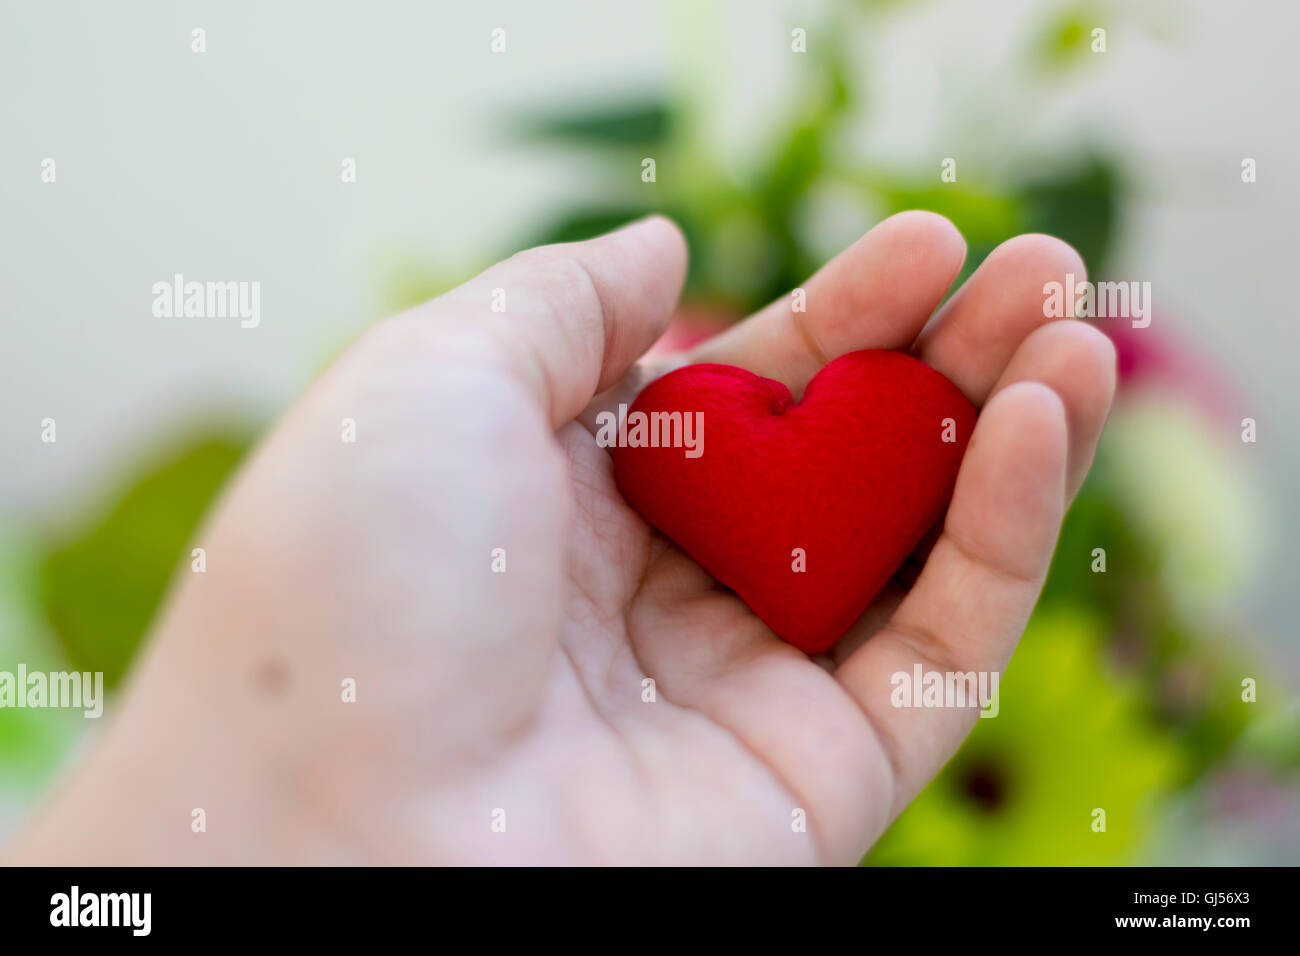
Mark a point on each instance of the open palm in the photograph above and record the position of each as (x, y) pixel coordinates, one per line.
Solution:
(469, 564)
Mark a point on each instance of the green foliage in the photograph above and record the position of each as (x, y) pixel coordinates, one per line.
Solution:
(1065, 38)
(32, 742)
(1071, 736)
(746, 249)
(584, 224)
(635, 124)
(1190, 668)
(101, 587)
(1079, 204)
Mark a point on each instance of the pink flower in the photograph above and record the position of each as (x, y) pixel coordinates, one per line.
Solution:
(1158, 357)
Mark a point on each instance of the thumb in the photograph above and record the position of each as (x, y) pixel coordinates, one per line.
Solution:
(569, 319)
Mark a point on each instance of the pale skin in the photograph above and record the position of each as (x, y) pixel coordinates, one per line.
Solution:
(518, 697)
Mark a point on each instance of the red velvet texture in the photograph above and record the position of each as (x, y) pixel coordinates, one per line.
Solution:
(854, 474)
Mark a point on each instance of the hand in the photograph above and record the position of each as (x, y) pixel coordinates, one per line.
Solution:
(480, 692)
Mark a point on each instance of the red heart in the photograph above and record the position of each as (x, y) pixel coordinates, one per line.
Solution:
(854, 474)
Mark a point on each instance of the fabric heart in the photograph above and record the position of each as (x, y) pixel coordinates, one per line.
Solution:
(804, 510)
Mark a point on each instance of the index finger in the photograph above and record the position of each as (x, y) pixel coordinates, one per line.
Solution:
(568, 319)
(877, 294)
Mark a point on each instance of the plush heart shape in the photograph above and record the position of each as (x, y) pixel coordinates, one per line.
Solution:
(854, 475)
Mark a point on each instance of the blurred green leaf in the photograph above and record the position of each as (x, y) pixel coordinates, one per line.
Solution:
(1070, 736)
(101, 587)
(588, 223)
(1096, 520)
(1191, 669)
(1080, 205)
(32, 741)
(1066, 38)
(984, 216)
(797, 164)
(585, 224)
(643, 123)
(1275, 739)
